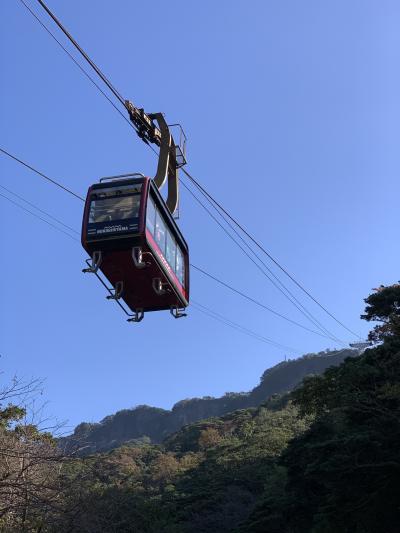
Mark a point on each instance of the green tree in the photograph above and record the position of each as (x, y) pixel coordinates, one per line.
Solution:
(343, 473)
(383, 306)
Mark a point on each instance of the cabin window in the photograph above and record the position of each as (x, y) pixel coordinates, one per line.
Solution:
(170, 253)
(180, 267)
(160, 234)
(108, 209)
(163, 236)
(151, 216)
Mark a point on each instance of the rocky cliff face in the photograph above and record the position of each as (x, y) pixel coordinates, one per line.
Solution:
(151, 424)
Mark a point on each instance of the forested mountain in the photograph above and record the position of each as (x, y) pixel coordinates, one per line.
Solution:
(153, 425)
(323, 458)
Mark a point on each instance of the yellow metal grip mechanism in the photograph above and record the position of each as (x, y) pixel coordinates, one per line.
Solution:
(171, 156)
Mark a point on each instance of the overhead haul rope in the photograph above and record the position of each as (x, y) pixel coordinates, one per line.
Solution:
(256, 302)
(41, 210)
(198, 306)
(77, 64)
(192, 265)
(216, 205)
(54, 182)
(37, 216)
(289, 296)
(83, 53)
(221, 318)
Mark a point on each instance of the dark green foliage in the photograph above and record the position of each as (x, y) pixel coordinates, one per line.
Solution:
(10, 415)
(347, 467)
(224, 488)
(343, 473)
(207, 477)
(383, 306)
(323, 458)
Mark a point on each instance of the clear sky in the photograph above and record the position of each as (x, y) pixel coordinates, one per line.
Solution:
(292, 115)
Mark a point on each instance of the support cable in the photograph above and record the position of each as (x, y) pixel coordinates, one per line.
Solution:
(289, 296)
(78, 65)
(40, 210)
(37, 216)
(256, 302)
(197, 305)
(84, 54)
(209, 197)
(54, 182)
(194, 266)
(217, 316)
(218, 206)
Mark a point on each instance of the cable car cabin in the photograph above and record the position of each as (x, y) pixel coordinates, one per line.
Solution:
(133, 239)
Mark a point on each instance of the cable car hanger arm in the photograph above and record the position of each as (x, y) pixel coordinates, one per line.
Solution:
(145, 127)
(169, 153)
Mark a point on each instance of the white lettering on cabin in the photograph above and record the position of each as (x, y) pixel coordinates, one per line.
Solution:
(165, 263)
(109, 229)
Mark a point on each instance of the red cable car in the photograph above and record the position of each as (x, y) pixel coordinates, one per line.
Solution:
(132, 238)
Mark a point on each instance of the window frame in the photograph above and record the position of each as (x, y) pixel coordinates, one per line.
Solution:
(176, 236)
(111, 199)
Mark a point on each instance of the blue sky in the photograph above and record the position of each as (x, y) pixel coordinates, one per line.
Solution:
(292, 115)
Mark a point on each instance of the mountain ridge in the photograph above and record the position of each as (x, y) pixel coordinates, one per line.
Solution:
(147, 424)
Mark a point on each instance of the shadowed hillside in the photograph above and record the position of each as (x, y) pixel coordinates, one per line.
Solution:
(323, 458)
(145, 424)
